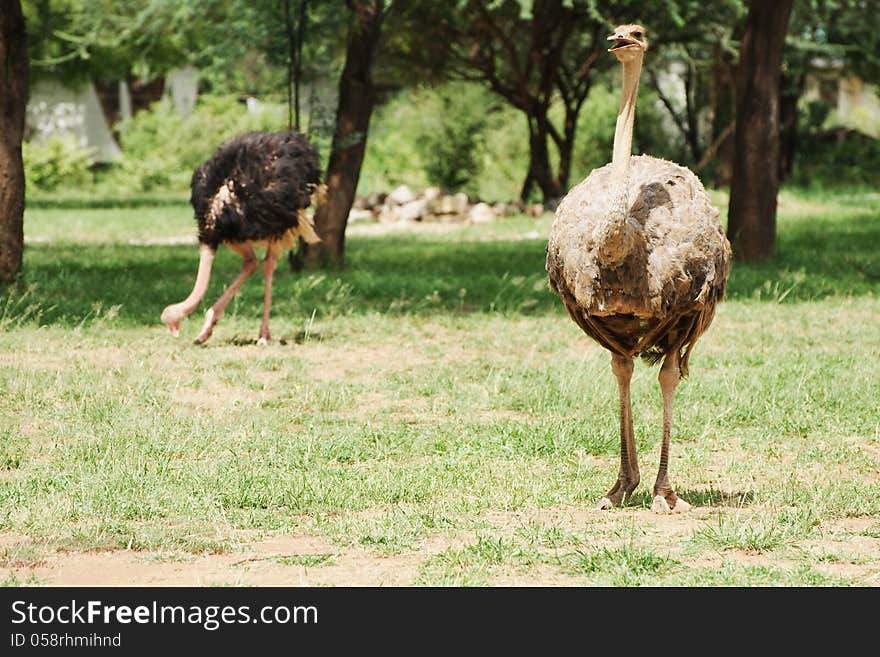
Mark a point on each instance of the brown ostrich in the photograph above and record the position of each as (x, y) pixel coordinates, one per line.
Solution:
(252, 192)
(638, 255)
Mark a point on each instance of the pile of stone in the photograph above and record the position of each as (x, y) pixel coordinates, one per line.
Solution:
(433, 205)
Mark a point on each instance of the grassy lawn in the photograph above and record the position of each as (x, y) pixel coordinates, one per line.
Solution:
(428, 416)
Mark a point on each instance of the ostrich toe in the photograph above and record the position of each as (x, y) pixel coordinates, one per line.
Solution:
(208, 327)
(661, 505)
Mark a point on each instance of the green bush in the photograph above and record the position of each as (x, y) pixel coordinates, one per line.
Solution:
(162, 148)
(838, 157)
(58, 161)
(391, 158)
(594, 140)
(460, 135)
(450, 134)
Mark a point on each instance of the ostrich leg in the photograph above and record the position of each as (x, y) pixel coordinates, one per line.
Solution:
(215, 312)
(665, 499)
(628, 476)
(173, 315)
(273, 250)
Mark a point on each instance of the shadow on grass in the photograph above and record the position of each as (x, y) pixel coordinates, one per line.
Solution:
(711, 497)
(817, 257)
(830, 254)
(300, 337)
(72, 284)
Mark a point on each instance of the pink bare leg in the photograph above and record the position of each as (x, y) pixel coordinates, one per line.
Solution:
(215, 312)
(174, 314)
(273, 250)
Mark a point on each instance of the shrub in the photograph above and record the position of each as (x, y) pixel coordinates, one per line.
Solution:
(162, 148)
(59, 160)
(450, 134)
(837, 157)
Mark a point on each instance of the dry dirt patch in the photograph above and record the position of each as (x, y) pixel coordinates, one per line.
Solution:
(279, 560)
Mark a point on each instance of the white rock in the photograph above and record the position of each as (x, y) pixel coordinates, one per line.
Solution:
(432, 193)
(535, 209)
(441, 205)
(461, 203)
(387, 214)
(481, 213)
(412, 211)
(401, 196)
(450, 204)
(375, 199)
(357, 215)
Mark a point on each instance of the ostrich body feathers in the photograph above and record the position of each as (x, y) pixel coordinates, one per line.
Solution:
(255, 188)
(662, 294)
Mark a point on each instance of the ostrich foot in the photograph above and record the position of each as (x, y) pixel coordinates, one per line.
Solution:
(619, 494)
(661, 505)
(208, 327)
(264, 340)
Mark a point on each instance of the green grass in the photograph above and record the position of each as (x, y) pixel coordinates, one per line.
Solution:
(433, 404)
(307, 560)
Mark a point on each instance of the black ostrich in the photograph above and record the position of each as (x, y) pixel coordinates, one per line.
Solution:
(252, 192)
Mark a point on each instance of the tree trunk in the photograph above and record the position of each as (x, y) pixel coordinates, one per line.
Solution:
(13, 99)
(298, 68)
(723, 105)
(357, 96)
(693, 123)
(540, 170)
(791, 91)
(752, 223)
(566, 146)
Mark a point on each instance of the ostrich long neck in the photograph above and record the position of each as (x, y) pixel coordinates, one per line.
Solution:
(623, 134)
(615, 238)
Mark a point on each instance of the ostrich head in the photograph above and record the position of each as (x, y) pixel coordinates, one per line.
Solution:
(172, 316)
(629, 42)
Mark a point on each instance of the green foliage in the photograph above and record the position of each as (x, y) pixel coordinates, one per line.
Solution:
(58, 161)
(654, 131)
(492, 137)
(391, 158)
(488, 162)
(837, 157)
(78, 40)
(162, 148)
(595, 131)
(450, 134)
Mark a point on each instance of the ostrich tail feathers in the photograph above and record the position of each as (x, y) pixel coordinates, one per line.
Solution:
(319, 194)
(306, 228)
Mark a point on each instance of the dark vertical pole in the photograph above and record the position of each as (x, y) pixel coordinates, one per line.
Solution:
(297, 71)
(13, 99)
(751, 225)
(357, 96)
(290, 63)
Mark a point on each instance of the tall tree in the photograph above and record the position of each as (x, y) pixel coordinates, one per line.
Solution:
(357, 98)
(13, 99)
(702, 42)
(531, 53)
(751, 225)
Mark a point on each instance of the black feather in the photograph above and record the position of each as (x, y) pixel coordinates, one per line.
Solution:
(271, 176)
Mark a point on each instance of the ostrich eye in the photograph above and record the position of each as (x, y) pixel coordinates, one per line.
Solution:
(637, 35)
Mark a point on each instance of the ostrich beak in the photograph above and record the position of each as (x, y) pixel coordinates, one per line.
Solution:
(621, 42)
